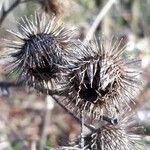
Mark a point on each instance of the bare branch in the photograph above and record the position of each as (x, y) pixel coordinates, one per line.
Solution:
(98, 19)
(4, 12)
(45, 124)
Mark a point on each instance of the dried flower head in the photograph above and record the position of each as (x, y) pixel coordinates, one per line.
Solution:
(99, 79)
(41, 47)
(122, 136)
(56, 7)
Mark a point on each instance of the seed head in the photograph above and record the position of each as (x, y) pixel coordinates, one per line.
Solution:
(121, 136)
(60, 8)
(41, 47)
(99, 79)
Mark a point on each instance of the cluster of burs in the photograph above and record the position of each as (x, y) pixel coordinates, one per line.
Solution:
(95, 81)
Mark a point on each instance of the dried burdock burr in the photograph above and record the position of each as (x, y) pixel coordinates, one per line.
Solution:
(41, 46)
(100, 80)
(125, 135)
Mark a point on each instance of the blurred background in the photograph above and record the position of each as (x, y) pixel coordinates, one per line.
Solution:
(33, 121)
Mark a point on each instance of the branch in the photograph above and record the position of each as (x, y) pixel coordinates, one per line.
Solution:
(81, 133)
(5, 86)
(74, 116)
(98, 19)
(5, 13)
(45, 124)
(53, 93)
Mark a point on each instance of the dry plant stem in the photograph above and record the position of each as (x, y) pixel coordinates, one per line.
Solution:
(82, 126)
(70, 113)
(53, 93)
(49, 92)
(6, 12)
(57, 93)
(45, 124)
(4, 84)
(33, 145)
(98, 19)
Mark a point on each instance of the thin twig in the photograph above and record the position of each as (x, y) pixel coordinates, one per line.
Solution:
(4, 13)
(98, 19)
(5, 87)
(45, 124)
(74, 116)
(52, 93)
(82, 126)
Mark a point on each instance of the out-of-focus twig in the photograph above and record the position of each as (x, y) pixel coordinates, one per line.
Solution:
(74, 116)
(5, 87)
(98, 19)
(5, 12)
(82, 126)
(45, 123)
(54, 94)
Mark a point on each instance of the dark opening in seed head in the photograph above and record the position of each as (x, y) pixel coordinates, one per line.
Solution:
(88, 94)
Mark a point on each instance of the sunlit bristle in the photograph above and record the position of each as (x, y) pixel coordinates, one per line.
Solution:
(100, 79)
(121, 136)
(43, 43)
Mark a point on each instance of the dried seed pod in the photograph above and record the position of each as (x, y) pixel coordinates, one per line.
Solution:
(41, 47)
(59, 8)
(99, 80)
(123, 136)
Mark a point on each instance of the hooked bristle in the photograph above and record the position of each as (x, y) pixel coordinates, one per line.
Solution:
(43, 44)
(121, 136)
(100, 80)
